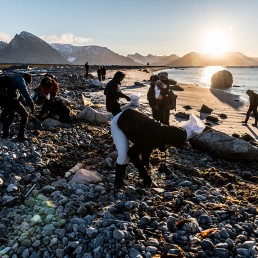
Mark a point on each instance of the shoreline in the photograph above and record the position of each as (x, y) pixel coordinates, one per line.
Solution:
(231, 105)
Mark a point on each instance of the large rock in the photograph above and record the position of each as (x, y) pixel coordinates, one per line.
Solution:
(92, 115)
(50, 123)
(221, 80)
(85, 176)
(225, 146)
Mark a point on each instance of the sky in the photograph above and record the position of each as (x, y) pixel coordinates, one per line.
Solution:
(157, 27)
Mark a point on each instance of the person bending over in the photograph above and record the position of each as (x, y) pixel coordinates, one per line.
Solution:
(146, 134)
(113, 93)
(14, 104)
(51, 105)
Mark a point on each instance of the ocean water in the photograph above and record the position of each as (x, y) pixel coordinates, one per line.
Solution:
(243, 78)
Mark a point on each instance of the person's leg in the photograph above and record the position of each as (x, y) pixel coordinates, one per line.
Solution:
(4, 115)
(155, 112)
(146, 159)
(10, 114)
(139, 164)
(247, 116)
(122, 147)
(166, 116)
(21, 110)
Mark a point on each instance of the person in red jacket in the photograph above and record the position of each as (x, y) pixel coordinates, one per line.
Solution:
(146, 134)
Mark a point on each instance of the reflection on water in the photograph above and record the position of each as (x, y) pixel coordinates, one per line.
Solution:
(207, 73)
(243, 77)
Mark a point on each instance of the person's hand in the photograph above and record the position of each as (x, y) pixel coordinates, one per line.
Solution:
(32, 107)
(128, 98)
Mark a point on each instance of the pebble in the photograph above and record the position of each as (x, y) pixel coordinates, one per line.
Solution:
(198, 207)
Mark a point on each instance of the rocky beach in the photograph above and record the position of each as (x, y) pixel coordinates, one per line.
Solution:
(57, 194)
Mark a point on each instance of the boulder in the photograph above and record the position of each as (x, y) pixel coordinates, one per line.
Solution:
(176, 87)
(85, 176)
(221, 80)
(212, 119)
(225, 146)
(205, 109)
(182, 115)
(92, 115)
(50, 123)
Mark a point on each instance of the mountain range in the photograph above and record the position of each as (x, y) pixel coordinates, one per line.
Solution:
(26, 48)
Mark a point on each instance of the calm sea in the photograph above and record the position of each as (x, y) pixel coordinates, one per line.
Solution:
(243, 78)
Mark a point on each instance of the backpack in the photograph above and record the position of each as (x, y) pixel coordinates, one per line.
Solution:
(7, 89)
(172, 100)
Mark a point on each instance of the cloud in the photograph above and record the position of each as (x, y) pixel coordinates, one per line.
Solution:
(66, 38)
(5, 37)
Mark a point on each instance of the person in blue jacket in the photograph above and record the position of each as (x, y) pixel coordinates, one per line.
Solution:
(14, 104)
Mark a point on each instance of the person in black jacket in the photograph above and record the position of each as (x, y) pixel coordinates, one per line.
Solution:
(86, 69)
(103, 73)
(113, 93)
(151, 97)
(158, 96)
(253, 98)
(146, 134)
(99, 73)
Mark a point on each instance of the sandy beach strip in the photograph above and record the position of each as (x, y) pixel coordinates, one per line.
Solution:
(195, 96)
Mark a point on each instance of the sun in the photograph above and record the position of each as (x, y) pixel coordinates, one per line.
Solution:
(216, 43)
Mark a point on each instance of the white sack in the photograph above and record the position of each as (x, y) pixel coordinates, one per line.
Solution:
(193, 126)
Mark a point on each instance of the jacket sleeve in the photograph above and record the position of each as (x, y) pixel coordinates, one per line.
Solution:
(114, 92)
(22, 87)
(151, 96)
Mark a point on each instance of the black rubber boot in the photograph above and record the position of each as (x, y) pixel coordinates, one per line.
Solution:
(146, 178)
(21, 137)
(120, 175)
(5, 132)
(147, 182)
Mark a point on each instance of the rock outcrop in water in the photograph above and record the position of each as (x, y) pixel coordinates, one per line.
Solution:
(221, 80)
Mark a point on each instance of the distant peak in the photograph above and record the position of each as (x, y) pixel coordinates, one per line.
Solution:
(26, 34)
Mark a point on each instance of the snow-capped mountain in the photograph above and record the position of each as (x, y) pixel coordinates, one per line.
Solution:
(28, 48)
(78, 55)
(150, 59)
(2, 46)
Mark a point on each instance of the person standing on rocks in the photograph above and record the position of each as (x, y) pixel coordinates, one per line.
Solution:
(14, 104)
(253, 98)
(99, 73)
(151, 97)
(103, 73)
(159, 98)
(113, 94)
(86, 69)
(146, 134)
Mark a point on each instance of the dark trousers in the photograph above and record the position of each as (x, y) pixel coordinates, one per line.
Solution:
(161, 114)
(55, 106)
(249, 111)
(10, 108)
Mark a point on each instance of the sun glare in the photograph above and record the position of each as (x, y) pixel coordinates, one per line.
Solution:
(216, 43)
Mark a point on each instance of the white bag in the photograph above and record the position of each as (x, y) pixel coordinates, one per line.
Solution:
(193, 126)
(135, 99)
